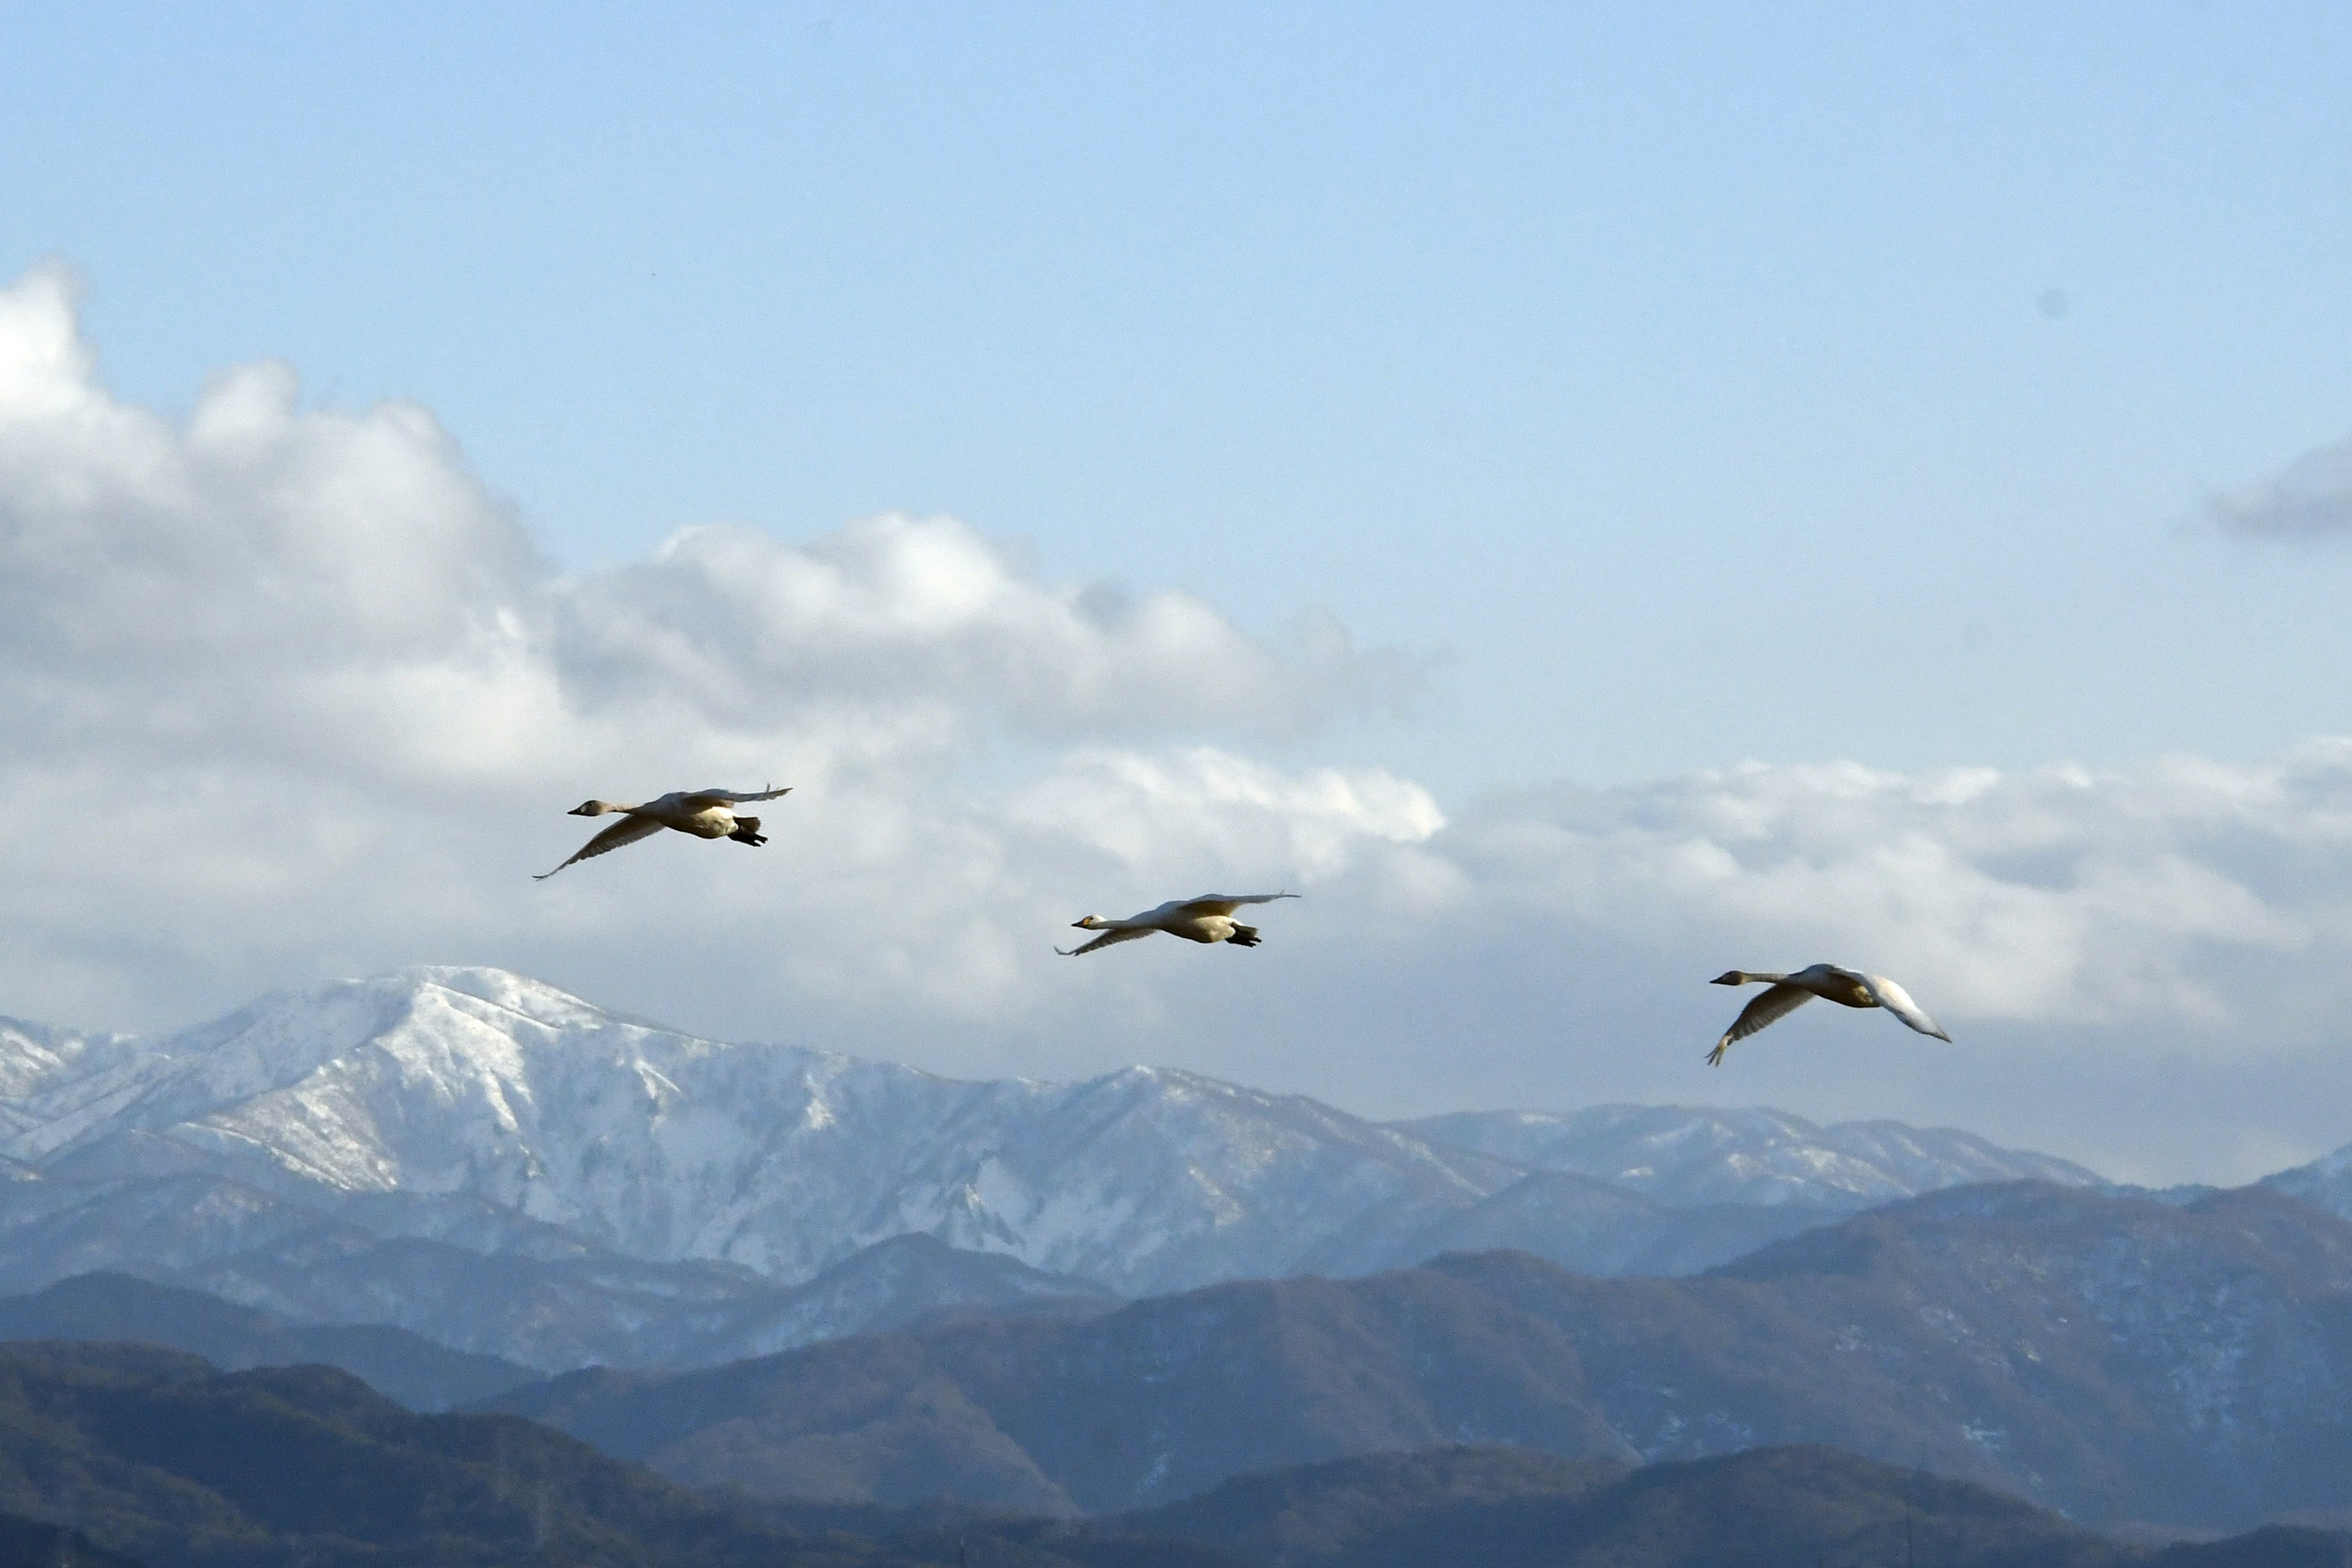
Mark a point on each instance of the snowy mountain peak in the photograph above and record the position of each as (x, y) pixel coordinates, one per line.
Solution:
(477, 1087)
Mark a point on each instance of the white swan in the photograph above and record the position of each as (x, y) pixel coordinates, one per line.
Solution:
(705, 812)
(1787, 993)
(1209, 918)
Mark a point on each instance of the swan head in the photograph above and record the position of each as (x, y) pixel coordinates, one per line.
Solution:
(1092, 922)
(593, 808)
(1729, 977)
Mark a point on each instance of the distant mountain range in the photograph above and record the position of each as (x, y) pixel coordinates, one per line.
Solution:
(154, 1455)
(1769, 1508)
(115, 1307)
(507, 1169)
(2116, 1357)
(120, 1455)
(843, 1288)
(1694, 1157)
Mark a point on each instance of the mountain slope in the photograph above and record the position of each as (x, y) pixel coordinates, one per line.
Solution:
(531, 1114)
(656, 1146)
(415, 1371)
(1589, 1227)
(1509, 1509)
(2326, 1183)
(2113, 1356)
(155, 1455)
(1157, 1400)
(149, 1456)
(1685, 1155)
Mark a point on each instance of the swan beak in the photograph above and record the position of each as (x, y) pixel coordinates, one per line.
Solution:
(580, 811)
(1733, 978)
(1077, 925)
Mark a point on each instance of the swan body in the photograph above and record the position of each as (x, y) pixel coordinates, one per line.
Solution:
(705, 812)
(1209, 918)
(1784, 993)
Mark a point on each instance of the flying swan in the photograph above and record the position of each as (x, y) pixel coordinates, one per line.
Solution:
(1209, 918)
(1785, 993)
(705, 814)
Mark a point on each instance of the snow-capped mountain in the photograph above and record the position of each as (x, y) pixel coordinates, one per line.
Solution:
(1687, 1155)
(468, 1083)
(343, 1152)
(56, 1078)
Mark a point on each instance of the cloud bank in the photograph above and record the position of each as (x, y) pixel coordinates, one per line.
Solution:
(286, 693)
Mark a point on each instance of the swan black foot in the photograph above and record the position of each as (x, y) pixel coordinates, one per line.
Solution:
(747, 831)
(1243, 936)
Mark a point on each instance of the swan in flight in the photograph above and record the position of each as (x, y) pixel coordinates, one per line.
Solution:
(705, 812)
(1784, 993)
(1209, 918)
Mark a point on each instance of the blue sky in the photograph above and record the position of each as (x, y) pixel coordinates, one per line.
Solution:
(1670, 388)
(1672, 378)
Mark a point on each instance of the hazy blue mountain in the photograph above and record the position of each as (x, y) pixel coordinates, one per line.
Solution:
(126, 1453)
(153, 1454)
(889, 1285)
(1589, 1226)
(415, 1371)
(1507, 1509)
(1685, 1155)
(1510, 1507)
(2116, 1357)
(50, 1543)
(2326, 1183)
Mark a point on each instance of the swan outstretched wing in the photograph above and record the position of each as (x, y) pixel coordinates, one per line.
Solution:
(1897, 1001)
(1109, 937)
(701, 798)
(1226, 904)
(1770, 1006)
(628, 830)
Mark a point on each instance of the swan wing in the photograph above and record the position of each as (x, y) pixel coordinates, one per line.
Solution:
(1897, 1001)
(703, 799)
(628, 830)
(1770, 1006)
(1225, 903)
(1127, 934)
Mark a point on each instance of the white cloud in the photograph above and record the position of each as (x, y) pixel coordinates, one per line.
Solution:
(283, 693)
(2053, 895)
(305, 693)
(903, 612)
(2310, 498)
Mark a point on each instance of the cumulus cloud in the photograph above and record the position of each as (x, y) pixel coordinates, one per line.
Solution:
(2310, 498)
(899, 612)
(2050, 895)
(299, 676)
(286, 693)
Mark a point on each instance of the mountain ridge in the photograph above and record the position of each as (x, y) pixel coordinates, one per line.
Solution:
(345, 1152)
(2114, 1356)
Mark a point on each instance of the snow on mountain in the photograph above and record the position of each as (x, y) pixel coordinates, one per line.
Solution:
(474, 1083)
(55, 1081)
(506, 1168)
(1694, 1155)
(890, 1285)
